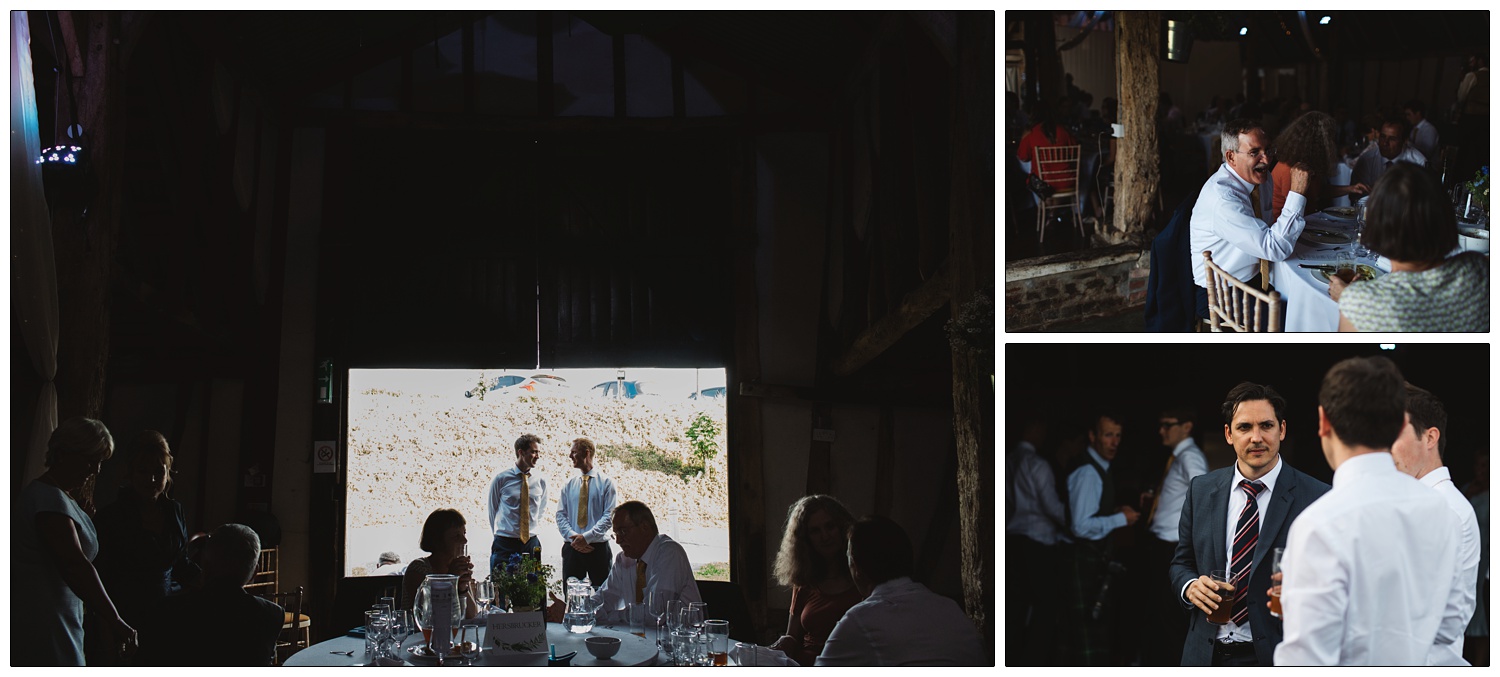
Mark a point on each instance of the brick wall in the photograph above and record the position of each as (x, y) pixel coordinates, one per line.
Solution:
(1064, 288)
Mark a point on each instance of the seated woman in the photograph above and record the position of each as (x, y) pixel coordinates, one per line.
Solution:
(1309, 141)
(1409, 220)
(142, 535)
(443, 537)
(813, 561)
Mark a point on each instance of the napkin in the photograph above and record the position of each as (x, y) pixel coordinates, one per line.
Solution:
(764, 657)
(357, 632)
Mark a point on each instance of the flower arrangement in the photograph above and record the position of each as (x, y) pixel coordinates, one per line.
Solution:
(1479, 187)
(523, 580)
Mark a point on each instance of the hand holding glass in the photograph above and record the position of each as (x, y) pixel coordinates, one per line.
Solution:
(1276, 589)
(1220, 616)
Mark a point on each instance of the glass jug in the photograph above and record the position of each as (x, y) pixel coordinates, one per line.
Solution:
(427, 615)
(581, 604)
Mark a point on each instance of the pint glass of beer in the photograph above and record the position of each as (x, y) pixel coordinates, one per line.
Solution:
(1276, 589)
(1220, 616)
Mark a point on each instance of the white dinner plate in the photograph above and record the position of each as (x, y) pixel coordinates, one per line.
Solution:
(1340, 213)
(1313, 235)
(1368, 272)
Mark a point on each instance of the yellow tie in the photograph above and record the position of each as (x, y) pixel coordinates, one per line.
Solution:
(640, 581)
(525, 507)
(1255, 201)
(1155, 501)
(583, 504)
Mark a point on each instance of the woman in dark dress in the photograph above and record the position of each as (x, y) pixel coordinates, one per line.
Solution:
(814, 562)
(143, 536)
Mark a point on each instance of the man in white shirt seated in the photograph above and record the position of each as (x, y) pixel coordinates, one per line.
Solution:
(649, 561)
(1424, 136)
(1390, 147)
(1229, 218)
(1369, 566)
(900, 622)
(1419, 452)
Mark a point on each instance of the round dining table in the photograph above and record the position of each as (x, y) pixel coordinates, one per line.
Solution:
(346, 650)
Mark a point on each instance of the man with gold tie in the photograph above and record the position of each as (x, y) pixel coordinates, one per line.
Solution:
(1229, 218)
(649, 562)
(584, 517)
(516, 497)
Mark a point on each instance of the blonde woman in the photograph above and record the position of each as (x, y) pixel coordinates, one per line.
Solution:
(813, 561)
(53, 545)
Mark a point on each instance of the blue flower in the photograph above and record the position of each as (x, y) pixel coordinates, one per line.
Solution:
(530, 578)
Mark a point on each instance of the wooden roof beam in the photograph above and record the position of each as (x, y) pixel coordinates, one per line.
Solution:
(915, 307)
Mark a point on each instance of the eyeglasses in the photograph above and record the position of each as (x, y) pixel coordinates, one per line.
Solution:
(1167, 425)
(1259, 152)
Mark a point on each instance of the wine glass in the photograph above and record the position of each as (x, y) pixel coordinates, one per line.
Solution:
(469, 645)
(657, 603)
(402, 626)
(1359, 230)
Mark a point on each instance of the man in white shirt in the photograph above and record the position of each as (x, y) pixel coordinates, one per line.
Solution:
(649, 562)
(516, 499)
(1232, 520)
(584, 513)
(900, 622)
(1095, 515)
(1229, 218)
(1424, 136)
(1186, 461)
(1368, 568)
(1390, 147)
(1419, 452)
(1034, 538)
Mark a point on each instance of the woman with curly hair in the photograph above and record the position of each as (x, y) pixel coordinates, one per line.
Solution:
(813, 561)
(1311, 142)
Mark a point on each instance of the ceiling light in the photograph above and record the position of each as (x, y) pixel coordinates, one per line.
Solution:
(1244, 30)
(1324, 21)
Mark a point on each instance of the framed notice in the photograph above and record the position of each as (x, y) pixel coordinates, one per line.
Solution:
(517, 633)
(325, 456)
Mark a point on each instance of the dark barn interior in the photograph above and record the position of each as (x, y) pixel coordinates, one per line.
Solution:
(803, 198)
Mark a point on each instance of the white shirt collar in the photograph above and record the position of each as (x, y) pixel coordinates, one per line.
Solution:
(1240, 181)
(1183, 446)
(1269, 479)
(650, 549)
(1363, 465)
(1436, 477)
(1097, 458)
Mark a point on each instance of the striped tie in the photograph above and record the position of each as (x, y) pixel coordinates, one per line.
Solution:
(1246, 533)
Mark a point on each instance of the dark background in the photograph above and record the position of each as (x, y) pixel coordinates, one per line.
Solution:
(1067, 384)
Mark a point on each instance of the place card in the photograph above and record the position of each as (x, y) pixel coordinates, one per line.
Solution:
(516, 633)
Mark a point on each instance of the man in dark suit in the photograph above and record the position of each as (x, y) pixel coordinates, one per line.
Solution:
(1232, 520)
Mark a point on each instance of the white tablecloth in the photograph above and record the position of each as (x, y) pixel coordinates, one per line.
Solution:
(634, 651)
(1308, 307)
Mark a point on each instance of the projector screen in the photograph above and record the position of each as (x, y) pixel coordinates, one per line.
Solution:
(424, 439)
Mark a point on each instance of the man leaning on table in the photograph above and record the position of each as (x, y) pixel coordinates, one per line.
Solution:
(1369, 566)
(1229, 218)
(649, 561)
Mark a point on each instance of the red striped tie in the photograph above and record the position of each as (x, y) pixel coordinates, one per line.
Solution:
(1246, 533)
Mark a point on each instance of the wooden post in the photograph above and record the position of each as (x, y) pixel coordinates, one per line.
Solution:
(1137, 171)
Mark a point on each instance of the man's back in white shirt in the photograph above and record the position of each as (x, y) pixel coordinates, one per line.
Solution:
(1368, 569)
(903, 623)
(1448, 650)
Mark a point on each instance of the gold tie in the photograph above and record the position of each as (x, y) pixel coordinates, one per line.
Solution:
(583, 504)
(640, 581)
(1156, 500)
(1255, 202)
(525, 507)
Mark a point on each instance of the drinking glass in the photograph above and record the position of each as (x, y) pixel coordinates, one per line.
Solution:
(1276, 589)
(682, 647)
(1220, 616)
(1343, 265)
(694, 615)
(638, 616)
(377, 633)
(717, 632)
(658, 605)
(701, 644)
(380, 611)
(469, 644)
(402, 626)
(744, 654)
(390, 604)
(1359, 230)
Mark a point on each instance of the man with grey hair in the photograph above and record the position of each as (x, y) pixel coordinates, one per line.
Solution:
(219, 624)
(1229, 218)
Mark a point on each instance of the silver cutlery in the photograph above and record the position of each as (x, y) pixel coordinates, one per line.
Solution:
(345, 653)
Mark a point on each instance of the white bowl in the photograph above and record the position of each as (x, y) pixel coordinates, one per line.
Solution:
(602, 647)
(1474, 239)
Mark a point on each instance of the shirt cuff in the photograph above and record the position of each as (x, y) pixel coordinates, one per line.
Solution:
(1182, 594)
(1294, 201)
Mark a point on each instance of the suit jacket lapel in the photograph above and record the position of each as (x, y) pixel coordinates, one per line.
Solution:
(1279, 505)
(1218, 501)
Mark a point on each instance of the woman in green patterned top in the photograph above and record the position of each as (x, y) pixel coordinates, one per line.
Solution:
(1409, 220)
